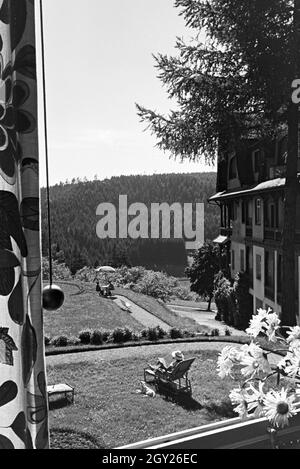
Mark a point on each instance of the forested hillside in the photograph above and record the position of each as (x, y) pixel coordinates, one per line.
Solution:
(74, 219)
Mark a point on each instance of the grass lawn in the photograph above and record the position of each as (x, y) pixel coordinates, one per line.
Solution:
(161, 311)
(86, 311)
(107, 407)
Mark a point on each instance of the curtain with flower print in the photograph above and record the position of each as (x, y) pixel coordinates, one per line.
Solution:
(23, 398)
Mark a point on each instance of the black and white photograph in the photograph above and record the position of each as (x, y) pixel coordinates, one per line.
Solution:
(149, 227)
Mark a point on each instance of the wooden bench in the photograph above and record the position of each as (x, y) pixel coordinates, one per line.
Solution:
(64, 389)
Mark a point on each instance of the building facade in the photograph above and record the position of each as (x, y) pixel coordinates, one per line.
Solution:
(250, 194)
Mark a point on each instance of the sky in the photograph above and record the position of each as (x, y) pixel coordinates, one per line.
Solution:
(98, 65)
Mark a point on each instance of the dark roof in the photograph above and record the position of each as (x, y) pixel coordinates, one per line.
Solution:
(271, 185)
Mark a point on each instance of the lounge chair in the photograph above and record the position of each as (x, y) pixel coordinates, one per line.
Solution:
(174, 382)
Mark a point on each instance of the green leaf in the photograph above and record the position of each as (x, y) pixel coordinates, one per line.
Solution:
(8, 259)
(5, 443)
(8, 392)
(16, 306)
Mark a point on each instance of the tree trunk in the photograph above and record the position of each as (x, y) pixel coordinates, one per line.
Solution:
(209, 303)
(288, 316)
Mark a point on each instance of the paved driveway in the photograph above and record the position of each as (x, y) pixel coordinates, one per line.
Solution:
(204, 318)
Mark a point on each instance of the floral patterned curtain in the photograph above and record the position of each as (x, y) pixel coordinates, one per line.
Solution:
(23, 399)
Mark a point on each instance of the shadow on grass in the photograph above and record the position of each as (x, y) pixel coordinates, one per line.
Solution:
(69, 438)
(222, 409)
(182, 399)
(59, 403)
(187, 402)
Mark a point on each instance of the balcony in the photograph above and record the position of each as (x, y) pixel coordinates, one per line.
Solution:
(228, 434)
(273, 234)
(249, 231)
(277, 172)
(226, 231)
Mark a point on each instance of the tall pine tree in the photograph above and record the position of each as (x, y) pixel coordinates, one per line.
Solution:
(235, 85)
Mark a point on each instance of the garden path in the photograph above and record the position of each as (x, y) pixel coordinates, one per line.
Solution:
(140, 314)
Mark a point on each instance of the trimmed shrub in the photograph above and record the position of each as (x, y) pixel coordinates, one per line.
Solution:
(106, 336)
(85, 336)
(136, 336)
(186, 333)
(60, 341)
(215, 333)
(120, 335)
(152, 334)
(161, 333)
(97, 337)
(244, 305)
(176, 333)
(127, 334)
(224, 299)
(74, 341)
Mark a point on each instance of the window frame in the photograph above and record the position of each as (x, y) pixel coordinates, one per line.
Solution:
(232, 259)
(242, 260)
(232, 172)
(258, 271)
(256, 156)
(258, 211)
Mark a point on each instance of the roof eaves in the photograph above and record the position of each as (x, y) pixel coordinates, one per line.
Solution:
(266, 186)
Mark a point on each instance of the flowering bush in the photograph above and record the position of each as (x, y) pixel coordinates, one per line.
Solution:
(60, 271)
(261, 392)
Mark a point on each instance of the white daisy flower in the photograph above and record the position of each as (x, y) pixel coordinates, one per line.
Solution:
(292, 368)
(285, 361)
(279, 407)
(253, 366)
(226, 360)
(251, 349)
(294, 345)
(273, 323)
(294, 337)
(254, 360)
(257, 323)
(293, 334)
(255, 399)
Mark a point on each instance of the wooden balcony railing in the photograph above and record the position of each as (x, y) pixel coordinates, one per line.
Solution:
(226, 231)
(228, 434)
(273, 234)
(249, 231)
